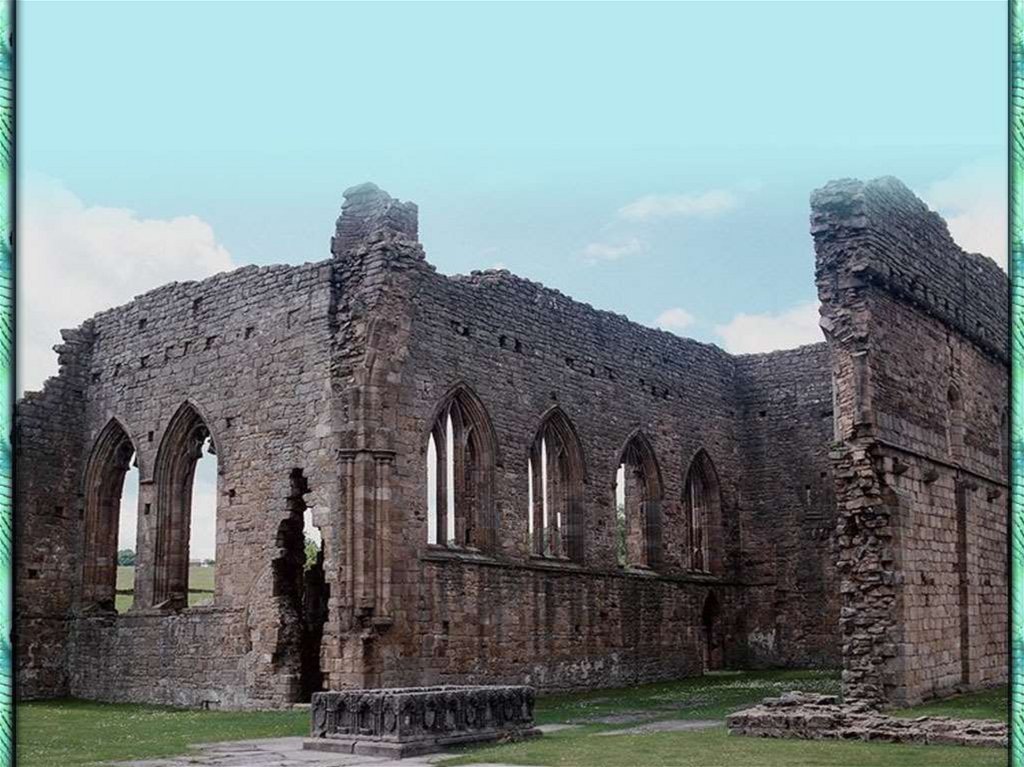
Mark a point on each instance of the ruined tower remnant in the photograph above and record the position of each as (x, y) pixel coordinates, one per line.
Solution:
(459, 442)
(917, 331)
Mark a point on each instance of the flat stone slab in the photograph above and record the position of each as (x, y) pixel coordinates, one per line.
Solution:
(627, 717)
(276, 752)
(668, 725)
(546, 728)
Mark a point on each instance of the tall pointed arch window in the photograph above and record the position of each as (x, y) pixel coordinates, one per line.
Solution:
(186, 441)
(109, 463)
(638, 493)
(702, 505)
(460, 457)
(555, 475)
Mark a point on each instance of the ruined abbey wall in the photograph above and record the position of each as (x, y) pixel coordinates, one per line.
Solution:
(325, 387)
(563, 624)
(247, 350)
(788, 560)
(918, 331)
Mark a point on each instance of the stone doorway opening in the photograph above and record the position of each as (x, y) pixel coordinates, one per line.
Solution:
(299, 579)
(711, 639)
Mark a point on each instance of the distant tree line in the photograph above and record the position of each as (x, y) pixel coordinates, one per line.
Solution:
(126, 558)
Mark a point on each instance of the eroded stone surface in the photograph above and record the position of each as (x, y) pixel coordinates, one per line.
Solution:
(668, 725)
(821, 717)
(918, 334)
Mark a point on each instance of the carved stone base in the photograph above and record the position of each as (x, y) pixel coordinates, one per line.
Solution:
(410, 721)
(401, 750)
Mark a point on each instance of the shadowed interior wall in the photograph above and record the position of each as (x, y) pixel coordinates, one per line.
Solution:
(788, 508)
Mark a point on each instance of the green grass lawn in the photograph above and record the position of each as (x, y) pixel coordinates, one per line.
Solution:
(712, 697)
(200, 580)
(708, 697)
(988, 704)
(716, 748)
(72, 733)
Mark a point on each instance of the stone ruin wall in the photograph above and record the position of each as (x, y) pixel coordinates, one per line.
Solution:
(337, 370)
(247, 349)
(918, 332)
(523, 349)
(788, 557)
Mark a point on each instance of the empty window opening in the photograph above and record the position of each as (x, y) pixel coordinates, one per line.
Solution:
(460, 469)
(702, 505)
(127, 534)
(301, 592)
(555, 486)
(620, 515)
(202, 534)
(432, 491)
(186, 479)
(109, 463)
(449, 478)
(638, 495)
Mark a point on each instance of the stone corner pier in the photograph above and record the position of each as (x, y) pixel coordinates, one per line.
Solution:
(409, 721)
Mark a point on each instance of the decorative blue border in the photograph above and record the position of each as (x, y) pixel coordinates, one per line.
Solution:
(1017, 383)
(6, 375)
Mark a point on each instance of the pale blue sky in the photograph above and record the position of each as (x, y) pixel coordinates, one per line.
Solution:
(641, 157)
(519, 129)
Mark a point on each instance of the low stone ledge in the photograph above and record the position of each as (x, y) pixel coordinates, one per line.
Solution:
(822, 717)
(408, 721)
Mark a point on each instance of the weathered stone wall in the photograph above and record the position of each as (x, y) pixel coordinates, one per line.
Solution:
(508, 615)
(918, 335)
(559, 630)
(320, 385)
(248, 350)
(48, 436)
(788, 508)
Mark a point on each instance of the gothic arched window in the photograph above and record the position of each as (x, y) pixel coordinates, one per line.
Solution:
(555, 477)
(638, 492)
(109, 462)
(460, 474)
(186, 441)
(703, 505)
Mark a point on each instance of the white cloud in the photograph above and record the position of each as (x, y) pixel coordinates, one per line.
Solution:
(605, 251)
(75, 260)
(753, 333)
(973, 200)
(655, 206)
(674, 320)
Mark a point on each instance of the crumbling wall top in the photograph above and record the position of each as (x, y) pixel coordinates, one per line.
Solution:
(369, 212)
(878, 232)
